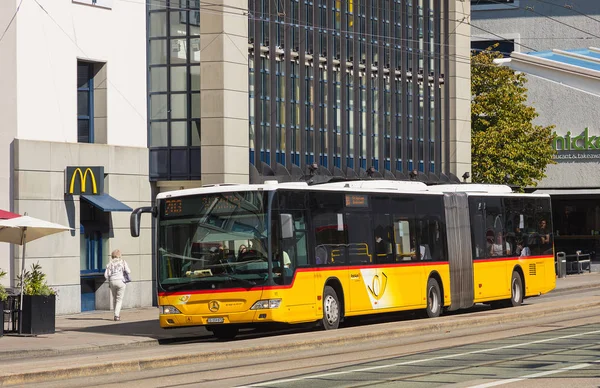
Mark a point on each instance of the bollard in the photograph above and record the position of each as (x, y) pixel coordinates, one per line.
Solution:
(561, 258)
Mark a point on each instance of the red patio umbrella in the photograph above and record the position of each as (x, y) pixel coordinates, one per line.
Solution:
(4, 215)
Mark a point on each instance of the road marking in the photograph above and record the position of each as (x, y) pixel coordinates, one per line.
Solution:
(418, 361)
(532, 376)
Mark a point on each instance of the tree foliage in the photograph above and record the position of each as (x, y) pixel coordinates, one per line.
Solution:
(506, 147)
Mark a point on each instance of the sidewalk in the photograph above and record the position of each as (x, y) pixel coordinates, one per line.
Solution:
(87, 338)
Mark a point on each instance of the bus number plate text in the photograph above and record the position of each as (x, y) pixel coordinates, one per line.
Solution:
(215, 320)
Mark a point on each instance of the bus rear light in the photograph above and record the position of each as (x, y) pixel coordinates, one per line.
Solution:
(266, 304)
(169, 310)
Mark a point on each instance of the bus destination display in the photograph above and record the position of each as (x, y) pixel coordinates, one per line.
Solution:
(223, 203)
(173, 207)
(354, 200)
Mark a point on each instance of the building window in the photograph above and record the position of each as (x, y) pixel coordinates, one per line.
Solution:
(93, 250)
(505, 47)
(379, 110)
(85, 102)
(94, 235)
(174, 90)
(483, 5)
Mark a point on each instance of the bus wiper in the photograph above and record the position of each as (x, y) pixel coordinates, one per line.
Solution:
(247, 282)
(181, 285)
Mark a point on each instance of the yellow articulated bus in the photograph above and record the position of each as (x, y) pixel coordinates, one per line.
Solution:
(236, 256)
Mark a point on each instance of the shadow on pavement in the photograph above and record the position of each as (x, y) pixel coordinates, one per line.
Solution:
(189, 335)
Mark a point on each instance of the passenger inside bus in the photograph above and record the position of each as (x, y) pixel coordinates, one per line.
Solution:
(498, 247)
(383, 248)
(424, 253)
(522, 248)
(545, 243)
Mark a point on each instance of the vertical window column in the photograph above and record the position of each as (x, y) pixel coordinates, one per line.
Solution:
(85, 102)
(174, 90)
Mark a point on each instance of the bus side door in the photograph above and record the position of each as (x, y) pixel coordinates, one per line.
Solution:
(298, 276)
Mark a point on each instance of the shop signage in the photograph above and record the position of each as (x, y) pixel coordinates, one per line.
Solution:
(84, 180)
(570, 147)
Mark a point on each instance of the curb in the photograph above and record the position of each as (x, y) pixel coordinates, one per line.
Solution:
(383, 331)
(592, 286)
(27, 353)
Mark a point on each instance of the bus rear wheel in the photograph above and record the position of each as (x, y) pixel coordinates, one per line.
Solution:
(225, 332)
(331, 309)
(434, 299)
(516, 290)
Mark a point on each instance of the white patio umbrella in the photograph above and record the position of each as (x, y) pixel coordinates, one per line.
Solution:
(21, 230)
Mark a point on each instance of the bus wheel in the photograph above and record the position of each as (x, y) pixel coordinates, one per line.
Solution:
(434, 299)
(516, 290)
(331, 309)
(225, 332)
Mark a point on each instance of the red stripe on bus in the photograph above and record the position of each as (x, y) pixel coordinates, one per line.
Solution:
(314, 269)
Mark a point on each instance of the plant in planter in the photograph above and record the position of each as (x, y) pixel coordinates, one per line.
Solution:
(3, 298)
(39, 303)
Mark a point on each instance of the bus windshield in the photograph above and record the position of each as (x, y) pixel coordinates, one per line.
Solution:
(213, 241)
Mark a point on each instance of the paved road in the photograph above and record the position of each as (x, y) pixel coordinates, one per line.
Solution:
(570, 354)
(541, 347)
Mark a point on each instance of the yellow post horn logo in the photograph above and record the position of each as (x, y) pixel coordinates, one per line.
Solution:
(82, 179)
(377, 287)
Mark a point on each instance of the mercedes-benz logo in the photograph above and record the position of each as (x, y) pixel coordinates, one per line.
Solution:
(213, 306)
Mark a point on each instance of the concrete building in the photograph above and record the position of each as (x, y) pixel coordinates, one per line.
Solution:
(553, 43)
(73, 95)
(242, 91)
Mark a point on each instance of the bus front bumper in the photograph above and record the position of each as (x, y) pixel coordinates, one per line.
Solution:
(246, 317)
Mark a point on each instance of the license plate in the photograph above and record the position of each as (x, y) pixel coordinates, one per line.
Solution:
(215, 320)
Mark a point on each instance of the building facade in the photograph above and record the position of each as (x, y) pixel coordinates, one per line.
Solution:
(554, 44)
(74, 134)
(242, 91)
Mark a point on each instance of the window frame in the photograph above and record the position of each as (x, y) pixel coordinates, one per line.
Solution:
(514, 5)
(90, 90)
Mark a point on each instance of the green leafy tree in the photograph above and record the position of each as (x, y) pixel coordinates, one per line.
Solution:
(506, 147)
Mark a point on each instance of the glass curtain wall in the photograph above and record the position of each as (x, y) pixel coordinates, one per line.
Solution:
(173, 31)
(346, 84)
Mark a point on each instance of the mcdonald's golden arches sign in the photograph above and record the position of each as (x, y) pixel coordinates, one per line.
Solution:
(84, 180)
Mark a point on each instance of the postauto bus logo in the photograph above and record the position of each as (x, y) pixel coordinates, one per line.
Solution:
(84, 180)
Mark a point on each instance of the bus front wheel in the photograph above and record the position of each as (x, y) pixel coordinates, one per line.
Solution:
(331, 309)
(434, 299)
(225, 332)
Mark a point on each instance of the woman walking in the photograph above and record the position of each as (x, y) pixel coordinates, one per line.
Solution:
(117, 273)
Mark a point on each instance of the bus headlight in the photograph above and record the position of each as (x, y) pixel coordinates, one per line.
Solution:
(169, 310)
(266, 304)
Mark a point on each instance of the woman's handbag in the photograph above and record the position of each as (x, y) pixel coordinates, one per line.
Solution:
(126, 278)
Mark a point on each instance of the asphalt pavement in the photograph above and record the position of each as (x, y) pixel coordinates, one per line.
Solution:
(84, 344)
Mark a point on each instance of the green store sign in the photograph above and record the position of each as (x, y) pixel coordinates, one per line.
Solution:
(583, 142)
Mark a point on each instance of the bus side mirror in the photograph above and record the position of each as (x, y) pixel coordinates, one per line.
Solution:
(287, 226)
(134, 219)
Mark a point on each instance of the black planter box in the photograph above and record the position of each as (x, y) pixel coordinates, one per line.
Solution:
(39, 313)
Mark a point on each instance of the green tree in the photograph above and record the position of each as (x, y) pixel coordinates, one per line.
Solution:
(506, 147)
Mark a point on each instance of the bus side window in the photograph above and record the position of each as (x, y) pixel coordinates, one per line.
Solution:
(330, 239)
(404, 240)
(359, 251)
